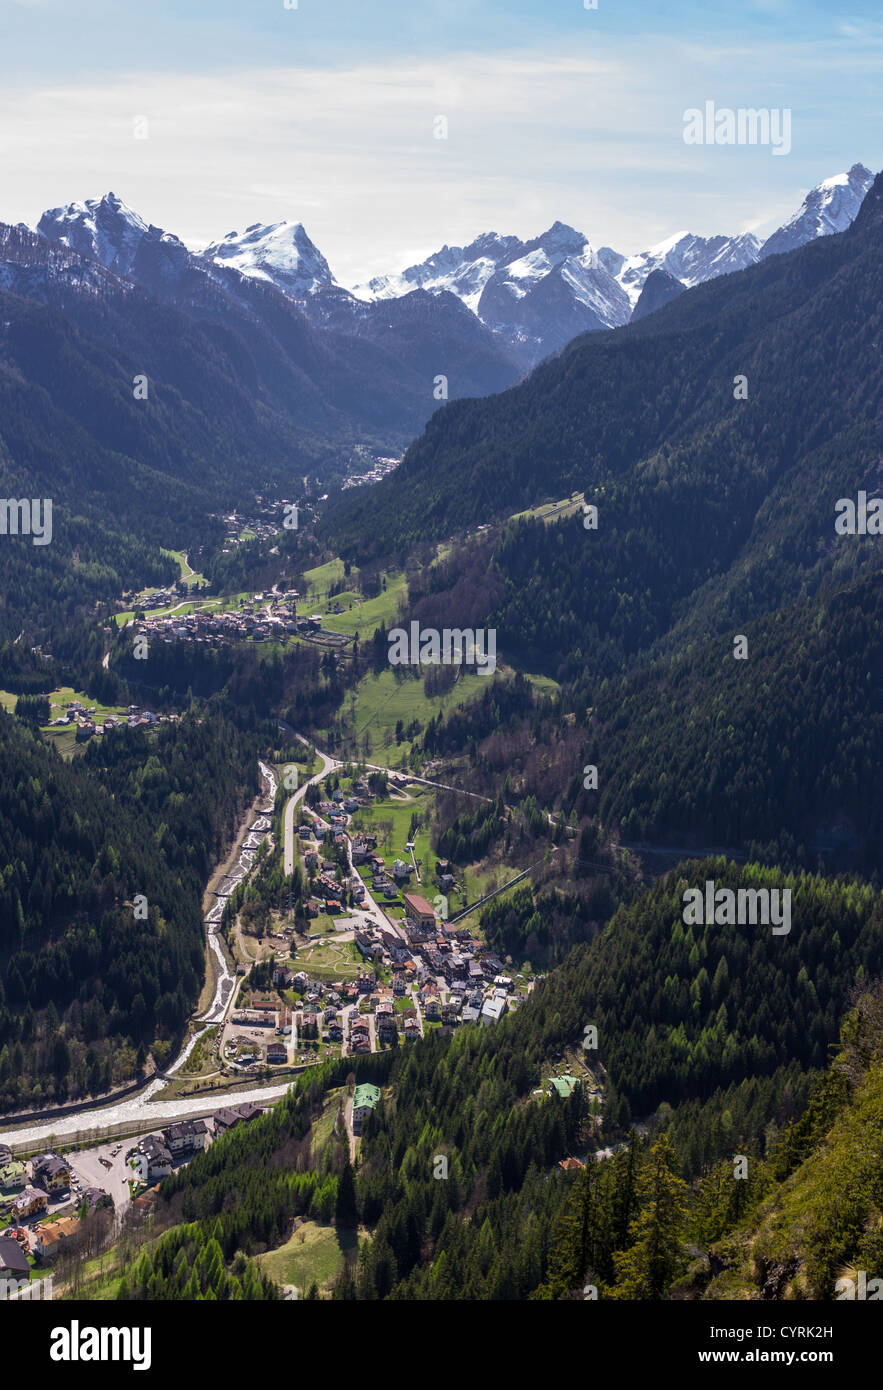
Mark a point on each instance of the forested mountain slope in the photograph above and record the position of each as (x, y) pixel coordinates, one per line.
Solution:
(802, 1222)
(499, 1226)
(819, 1228)
(773, 755)
(87, 986)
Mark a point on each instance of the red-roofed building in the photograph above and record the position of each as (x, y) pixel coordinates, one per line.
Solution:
(418, 910)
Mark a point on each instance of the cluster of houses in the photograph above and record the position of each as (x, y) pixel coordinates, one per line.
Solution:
(381, 467)
(274, 622)
(27, 1189)
(478, 990)
(86, 723)
(322, 1014)
(473, 979)
(266, 618)
(314, 835)
(265, 525)
(385, 883)
(327, 1011)
(435, 958)
(157, 598)
(455, 980)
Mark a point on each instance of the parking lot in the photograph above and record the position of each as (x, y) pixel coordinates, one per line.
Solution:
(104, 1166)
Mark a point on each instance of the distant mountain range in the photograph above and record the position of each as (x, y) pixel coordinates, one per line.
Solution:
(645, 416)
(243, 391)
(298, 345)
(261, 366)
(538, 294)
(530, 297)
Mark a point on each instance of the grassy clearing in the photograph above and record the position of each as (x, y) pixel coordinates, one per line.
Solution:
(320, 579)
(314, 1254)
(382, 700)
(544, 685)
(330, 960)
(366, 615)
(390, 820)
(479, 879)
(323, 1128)
(101, 1275)
(307, 762)
(360, 615)
(65, 738)
(187, 572)
(60, 698)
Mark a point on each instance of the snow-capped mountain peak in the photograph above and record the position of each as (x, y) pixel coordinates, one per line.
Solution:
(560, 240)
(106, 229)
(535, 292)
(535, 295)
(37, 267)
(280, 253)
(829, 207)
(463, 270)
(688, 258)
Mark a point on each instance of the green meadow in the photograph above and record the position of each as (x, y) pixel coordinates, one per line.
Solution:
(382, 700)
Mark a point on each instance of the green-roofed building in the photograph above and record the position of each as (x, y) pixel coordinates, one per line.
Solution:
(13, 1176)
(563, 1085)
(364, 1100)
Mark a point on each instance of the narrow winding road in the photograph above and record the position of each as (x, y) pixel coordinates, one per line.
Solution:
(328, 765)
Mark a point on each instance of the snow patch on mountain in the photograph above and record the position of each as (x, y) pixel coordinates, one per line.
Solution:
(280, 253)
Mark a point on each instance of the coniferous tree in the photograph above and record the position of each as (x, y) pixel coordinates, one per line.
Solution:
(655, 1255)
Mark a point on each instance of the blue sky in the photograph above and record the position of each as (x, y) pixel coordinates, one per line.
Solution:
(325, 114)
